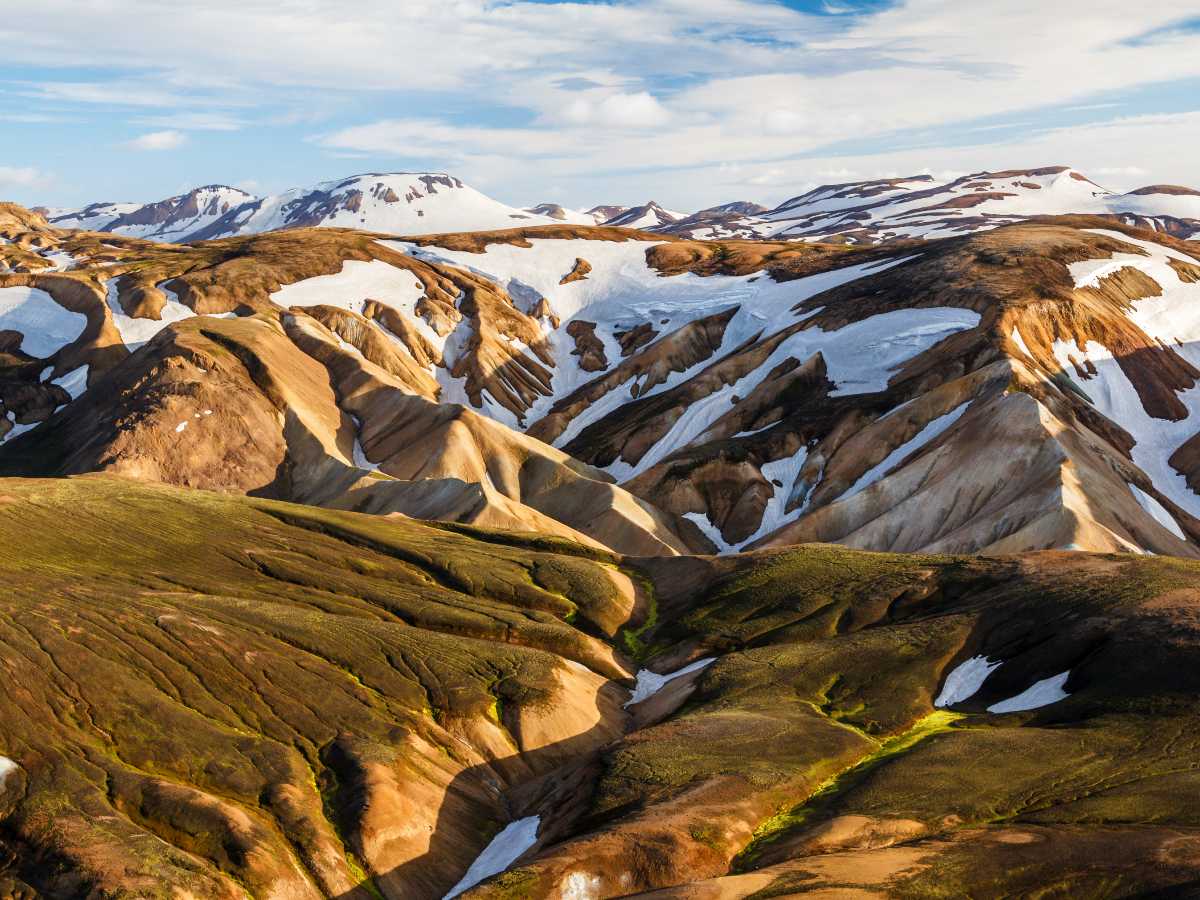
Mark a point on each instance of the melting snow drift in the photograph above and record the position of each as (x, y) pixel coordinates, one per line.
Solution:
(1041, 693)
(504, 850)
(650, 683)
(965, 680)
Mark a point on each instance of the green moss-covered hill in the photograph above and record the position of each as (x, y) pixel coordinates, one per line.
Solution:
(210, 695)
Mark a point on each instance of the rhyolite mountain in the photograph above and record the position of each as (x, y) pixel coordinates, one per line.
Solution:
(1026, 387)
(568, 560)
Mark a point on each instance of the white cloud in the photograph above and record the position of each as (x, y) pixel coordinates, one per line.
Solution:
(196, 121)
(784, 121)
(618, 97)
(638, 110)
(22, 177)
(114, 93)
(1129, 171)
(158, 140)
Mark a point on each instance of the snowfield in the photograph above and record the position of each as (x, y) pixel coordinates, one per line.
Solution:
(1172, 318)
(45, 326)
(135, 332)
(358, 282)
(622, 291)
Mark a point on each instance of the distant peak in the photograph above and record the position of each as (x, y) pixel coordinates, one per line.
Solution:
(1176, 190)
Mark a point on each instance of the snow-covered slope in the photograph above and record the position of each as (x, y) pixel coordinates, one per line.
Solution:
(920, 207)
(395, 203)
(174, 219)
(649, 215)
(1028, 386)
(562, 214)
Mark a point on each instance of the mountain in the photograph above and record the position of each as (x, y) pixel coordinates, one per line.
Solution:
(394, 203)
(602, 214)
(920, 207)
(173, 219)
(570, 216)
(649, 215)
(736, 220)
(1161, 207)
(855, 212)
(574, 560)
(744, 207)
(742, 394)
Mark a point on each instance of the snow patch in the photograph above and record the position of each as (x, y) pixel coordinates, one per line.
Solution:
(1020, 342)
(650, 683)
(965, 680)
(1041, 693)
(74, 382)
(1157, 511)
(7, 767)
(581, 886)
(711, 531)
(137, 331)
(359, 456)
(17, 428)
(45, 326)
(932, 430)
(181, 426)
(504, 850)
(784, 471)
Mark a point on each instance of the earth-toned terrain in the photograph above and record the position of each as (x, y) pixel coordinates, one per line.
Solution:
(571, 560)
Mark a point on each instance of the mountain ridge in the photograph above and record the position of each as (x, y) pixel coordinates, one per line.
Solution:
(868, 211)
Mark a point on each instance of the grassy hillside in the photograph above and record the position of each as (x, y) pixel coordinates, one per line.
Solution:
(214, 695)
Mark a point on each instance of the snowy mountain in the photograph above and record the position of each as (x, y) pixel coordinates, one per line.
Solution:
(561, 214)
(174, 219)
(739, 219)
(602, 214)
(649, 215)
(854, 212)
(920, 207)
(397, 203)
(752, 389)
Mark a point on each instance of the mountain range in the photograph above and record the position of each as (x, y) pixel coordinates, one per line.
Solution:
(382, 540)
(864, 211)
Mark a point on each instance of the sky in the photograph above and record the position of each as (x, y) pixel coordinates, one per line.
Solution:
(688, 102)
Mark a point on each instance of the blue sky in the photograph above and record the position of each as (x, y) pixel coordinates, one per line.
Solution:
(690, 102)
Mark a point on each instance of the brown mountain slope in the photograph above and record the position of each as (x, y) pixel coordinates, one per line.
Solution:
(770, 393)
(252, 398)
(275, 407)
